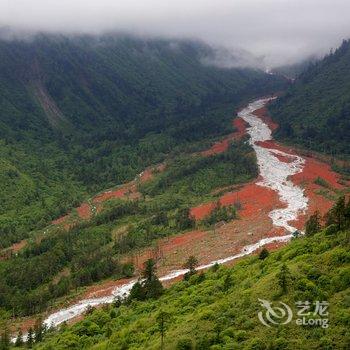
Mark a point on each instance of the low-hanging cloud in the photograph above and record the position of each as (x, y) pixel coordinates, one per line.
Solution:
(275, 31)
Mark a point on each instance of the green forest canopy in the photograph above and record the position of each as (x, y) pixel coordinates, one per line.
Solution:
(315, 110)
(81, 114)
(218, 309)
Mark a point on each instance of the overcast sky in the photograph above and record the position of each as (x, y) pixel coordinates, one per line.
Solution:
(280, 31)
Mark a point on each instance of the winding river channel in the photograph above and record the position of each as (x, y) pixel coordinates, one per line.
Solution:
(274, 175)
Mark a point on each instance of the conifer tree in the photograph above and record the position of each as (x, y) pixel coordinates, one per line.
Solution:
(191, 265)
(337, 215)
(313, 224)
(283, 278)
(264, 253)
(150, 286)
(162, 319)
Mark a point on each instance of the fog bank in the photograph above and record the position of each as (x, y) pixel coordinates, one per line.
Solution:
(276, 32)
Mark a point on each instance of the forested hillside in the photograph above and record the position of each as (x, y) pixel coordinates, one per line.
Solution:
(315, 111)
(81, 114)
(56, 266)
(219, 309)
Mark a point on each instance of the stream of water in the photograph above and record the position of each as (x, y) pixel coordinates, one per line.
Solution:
(274, 174)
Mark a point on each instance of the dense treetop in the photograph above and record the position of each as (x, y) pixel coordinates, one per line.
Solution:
(315, 111)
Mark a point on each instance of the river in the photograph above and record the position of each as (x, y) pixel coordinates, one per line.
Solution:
(274, 174)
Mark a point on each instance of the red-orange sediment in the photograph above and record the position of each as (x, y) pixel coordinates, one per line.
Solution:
(306, 179)
(167, 246)
(263, 114)
(128, 190)
(218, 147)
(202, 210)
(178, 241)
(274, 145)
(18, 246)
(251, 197)
(284, 159)
(240, 126)
(146, 175)
(84, 211)
(314, 169)
(110, 194)
(61, 220)
(15, 248)
(24, 326)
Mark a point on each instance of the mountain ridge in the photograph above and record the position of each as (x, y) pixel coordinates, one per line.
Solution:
(315, 111)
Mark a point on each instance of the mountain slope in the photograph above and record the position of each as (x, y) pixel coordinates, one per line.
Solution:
(315, 111)
(84, 113)
(54, 268)
(219, 309)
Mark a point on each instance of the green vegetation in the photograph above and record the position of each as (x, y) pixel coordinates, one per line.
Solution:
(149, 287)
(190, 265)
(221, 214)
(59, 262)
(218, 309)
(315, 111)
(81, 114)
(189, 176)
(264, 253)
(322, 182)
(339, 215)
(313, 225)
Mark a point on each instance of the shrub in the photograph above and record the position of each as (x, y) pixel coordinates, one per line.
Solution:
(331, 229)
(321, 182)
(263, 254)
(184, 344)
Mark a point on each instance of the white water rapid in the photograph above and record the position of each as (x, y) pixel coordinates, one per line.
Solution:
(274, 174)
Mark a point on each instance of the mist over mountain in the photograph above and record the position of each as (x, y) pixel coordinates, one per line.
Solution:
(276, 32)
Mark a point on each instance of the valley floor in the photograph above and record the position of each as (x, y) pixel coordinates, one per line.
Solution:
(319, 183)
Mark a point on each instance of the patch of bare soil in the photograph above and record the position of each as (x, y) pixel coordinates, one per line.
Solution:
(15, 248)
(84, 211)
